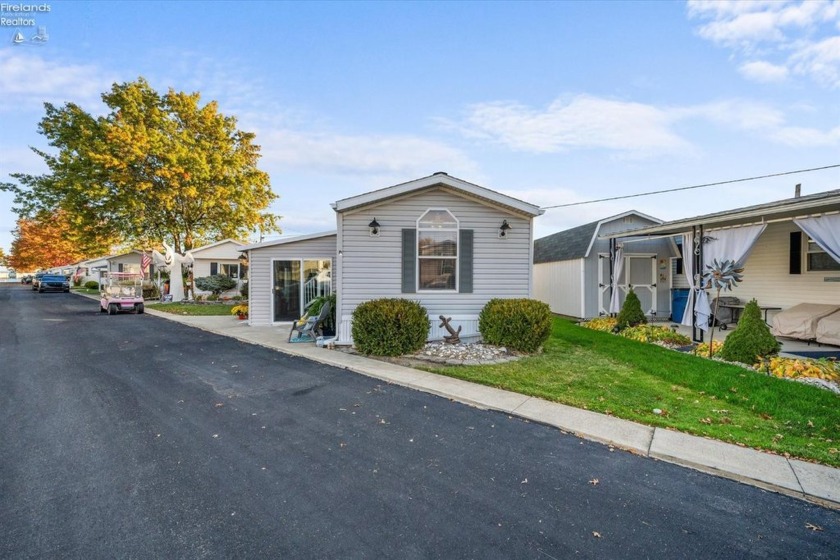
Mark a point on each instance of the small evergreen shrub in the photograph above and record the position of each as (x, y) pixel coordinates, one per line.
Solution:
(92, 285)
(631, 313)
(520, 324)
(751, 340)
(390, 327)
(216, 284)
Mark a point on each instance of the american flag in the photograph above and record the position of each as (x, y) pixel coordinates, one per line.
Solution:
(145, 260)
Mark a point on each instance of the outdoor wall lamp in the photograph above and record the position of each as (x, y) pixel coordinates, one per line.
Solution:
(503, 229)
(374, 228)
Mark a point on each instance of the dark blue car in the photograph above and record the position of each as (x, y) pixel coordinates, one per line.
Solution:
(53, 283)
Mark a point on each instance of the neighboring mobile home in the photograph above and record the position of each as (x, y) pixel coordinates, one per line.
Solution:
(790, 249)
(221, 257)
(573, 269)
(447, 243)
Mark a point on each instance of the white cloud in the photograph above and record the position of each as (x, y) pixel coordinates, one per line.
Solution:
(28, 79)
(627, 129)
(800, 37)
(630, 128)
(321, 152)
(761, 71)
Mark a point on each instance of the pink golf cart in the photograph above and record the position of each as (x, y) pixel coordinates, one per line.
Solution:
(121, 291)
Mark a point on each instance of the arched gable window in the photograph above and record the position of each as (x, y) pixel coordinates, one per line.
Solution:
(437, 250)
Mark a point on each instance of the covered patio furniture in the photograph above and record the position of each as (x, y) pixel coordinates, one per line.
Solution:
(828, 329)
(311, 328)
(800, 321)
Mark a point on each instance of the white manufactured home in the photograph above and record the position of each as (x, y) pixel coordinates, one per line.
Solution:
(790, 250)
(439, 240)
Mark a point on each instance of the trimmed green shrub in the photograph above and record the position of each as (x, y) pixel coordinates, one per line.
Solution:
(92, 285)
(520, 324)
(390, 327)
(217, 284)
(631, 313)
(751, 340)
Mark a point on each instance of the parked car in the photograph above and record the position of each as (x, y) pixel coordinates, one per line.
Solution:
(26, 279)
(53, 283)
(36, 280)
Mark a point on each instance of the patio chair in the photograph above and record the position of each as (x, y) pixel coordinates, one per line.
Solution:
(311, 328)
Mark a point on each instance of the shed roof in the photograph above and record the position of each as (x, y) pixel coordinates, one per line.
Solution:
(439, 179)
(780, 210)
(575, 243)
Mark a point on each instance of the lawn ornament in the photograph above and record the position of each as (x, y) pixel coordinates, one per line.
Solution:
(173, 263)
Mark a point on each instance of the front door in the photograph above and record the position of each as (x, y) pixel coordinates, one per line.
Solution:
(287, 290)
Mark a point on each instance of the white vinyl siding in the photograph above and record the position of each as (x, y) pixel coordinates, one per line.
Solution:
(260, 271)
(767, 275)
(559, 285)
(372, 267)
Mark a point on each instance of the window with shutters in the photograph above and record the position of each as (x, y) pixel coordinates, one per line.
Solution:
(229, 270)
(437, 250)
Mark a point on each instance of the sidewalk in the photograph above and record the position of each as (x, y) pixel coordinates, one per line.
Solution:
(816, 483)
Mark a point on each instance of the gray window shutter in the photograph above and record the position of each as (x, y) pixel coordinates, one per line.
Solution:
(465, 266)
(119, 267)
(214, 269)
(409, 261)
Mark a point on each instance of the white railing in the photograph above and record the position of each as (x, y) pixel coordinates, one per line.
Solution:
(312, 289)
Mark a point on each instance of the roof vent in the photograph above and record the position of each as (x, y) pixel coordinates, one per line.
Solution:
(440, 173)
(797, 191)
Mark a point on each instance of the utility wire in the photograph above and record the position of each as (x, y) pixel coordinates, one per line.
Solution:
(691, 187)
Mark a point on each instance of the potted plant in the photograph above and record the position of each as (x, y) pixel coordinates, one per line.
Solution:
(240, 311)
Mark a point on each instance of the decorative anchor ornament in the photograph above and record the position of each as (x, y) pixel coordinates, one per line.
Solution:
(173, 263)
(453, 337)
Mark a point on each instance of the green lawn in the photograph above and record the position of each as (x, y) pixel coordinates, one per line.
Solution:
(627, 379)
(192, 308)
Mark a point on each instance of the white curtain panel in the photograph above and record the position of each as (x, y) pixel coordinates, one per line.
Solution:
(731, 244)
(688, 270)
(618, 266)
(825, 231)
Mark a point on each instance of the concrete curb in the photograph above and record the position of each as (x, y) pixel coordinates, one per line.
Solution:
(815, 483)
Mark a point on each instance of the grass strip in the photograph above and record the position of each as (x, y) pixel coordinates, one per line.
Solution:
(609, 374)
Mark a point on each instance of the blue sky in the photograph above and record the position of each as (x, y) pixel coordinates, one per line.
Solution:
(549, 102)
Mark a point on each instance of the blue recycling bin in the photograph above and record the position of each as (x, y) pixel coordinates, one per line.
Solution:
(679, 299)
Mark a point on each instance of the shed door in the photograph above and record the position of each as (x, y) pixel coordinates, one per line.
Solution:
(604, 290)
(641, 276)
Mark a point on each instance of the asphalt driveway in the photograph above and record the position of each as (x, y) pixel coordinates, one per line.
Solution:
(136, 437)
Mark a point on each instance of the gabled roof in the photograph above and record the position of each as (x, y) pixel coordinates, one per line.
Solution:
(439, 179)
(575, 243)
(284, 240)
(780, 210)
(216, 244)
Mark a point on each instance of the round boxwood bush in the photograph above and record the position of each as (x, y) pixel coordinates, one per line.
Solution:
(92, 285)
(751, 340)
(390, 327)
(631, 313)
(519, 324)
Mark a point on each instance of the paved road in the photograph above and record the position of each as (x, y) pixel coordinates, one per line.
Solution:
(135, 437)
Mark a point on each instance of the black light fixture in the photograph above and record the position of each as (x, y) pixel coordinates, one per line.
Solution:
(503, 229)
(374, 228)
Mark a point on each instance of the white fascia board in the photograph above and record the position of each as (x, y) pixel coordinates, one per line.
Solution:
(283, 241)
(431, 181)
